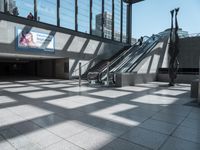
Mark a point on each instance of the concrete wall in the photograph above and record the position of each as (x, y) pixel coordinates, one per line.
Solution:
(188, 58)
(189, 53)
(73, 48)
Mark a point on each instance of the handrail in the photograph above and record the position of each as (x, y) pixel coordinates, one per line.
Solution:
(122, 54)
(85, 64)
(123, 63)
(139, 59)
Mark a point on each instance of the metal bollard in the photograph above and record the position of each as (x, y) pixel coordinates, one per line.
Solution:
(108, 65)
(79, 73)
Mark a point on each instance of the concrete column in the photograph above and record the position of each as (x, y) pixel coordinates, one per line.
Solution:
(129, 23)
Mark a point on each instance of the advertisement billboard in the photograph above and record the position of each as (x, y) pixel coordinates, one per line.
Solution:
(28, 39)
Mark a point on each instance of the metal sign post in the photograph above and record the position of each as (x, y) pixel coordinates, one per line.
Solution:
(79, 73)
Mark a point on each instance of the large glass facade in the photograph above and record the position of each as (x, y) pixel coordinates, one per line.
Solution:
(117, 19)
(84, 16)
(71, 12)
(47, 11)
(107, 26)
(124, 23)
(67, 14)
(25, 7)
(97, 17)
(2, 5)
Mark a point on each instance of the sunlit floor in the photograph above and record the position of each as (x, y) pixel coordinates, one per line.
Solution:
(58, 115)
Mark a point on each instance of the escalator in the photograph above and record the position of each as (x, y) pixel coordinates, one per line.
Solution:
(127, 62)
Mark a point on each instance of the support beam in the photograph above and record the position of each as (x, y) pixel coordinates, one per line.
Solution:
(129, 23)
(102, 20)
(35, 10)
(91, 3)
(58, 13)
(76, 15)
(5, 6)
(121, 21)
(113, 18)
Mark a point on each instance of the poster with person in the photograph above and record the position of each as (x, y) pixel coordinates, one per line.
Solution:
(33, 40)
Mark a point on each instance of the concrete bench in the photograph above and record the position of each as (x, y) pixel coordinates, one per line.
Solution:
(194, 88)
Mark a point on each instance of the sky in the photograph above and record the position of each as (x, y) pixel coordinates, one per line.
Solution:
(153, 16)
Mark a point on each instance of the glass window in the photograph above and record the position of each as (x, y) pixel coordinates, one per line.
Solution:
(24, 7)
(47, 11)
(124, 26)
(67, 14)
(84, 16)
(117, 19)
(107, 19)
(97, 17)
(2, 5)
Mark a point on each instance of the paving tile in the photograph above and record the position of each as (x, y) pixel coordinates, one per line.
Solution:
(78, 89)
(11, 85)
(177, 110)
(42, 94)
(120, 144)
(30, 147)
(56, 85)
(37, 135)
(191, 123)
(6, 99)
(4, 145)
(48, 121)
(155, 99)
(187, 134)
(158, 126)
(63, 145)
(133, 88)
(170, 92)
(145, 137)
(110, 93)
(22, 89)
(74, 102)
(179, 144)
(68, 128)
(40, 83)
(194, 115)
(8, 118)
(15, 138)
(92, 139)
(112, 113)
(29, 111)
(174, 119)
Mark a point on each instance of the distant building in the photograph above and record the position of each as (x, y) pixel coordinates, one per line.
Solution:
(107, 28)
(1, 5)
(11, 4)
(181, 33)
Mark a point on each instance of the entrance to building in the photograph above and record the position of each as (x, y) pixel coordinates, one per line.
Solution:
(48, 68)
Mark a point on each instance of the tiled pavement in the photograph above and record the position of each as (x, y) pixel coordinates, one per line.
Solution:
(58, 115)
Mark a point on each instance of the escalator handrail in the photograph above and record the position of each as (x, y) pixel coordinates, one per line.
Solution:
(122, 54)
(130, 69)
(139, 48)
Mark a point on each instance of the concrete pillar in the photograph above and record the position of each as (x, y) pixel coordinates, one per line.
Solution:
(129, 23)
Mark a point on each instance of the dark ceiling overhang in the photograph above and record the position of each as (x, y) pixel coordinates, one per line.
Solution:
(132, 1)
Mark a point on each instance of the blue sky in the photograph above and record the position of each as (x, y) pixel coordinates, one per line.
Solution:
(152, 16)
